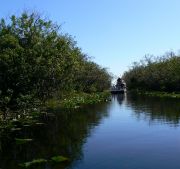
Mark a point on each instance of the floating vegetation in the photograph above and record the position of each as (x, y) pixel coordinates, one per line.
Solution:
(41, 161)
(26, 125)
(59, 159)
(76, 100)
(15, 129)
(40, 124)
(159, 94)
(22, 141)
(33, 163)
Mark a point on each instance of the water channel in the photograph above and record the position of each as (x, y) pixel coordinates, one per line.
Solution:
(129, 132)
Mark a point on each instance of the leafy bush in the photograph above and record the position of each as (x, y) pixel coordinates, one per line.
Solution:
(158, 74)
(37, 61)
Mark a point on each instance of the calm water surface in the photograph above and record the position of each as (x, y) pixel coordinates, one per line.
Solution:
(130, 132)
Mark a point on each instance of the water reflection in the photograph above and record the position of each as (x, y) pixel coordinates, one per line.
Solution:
(116, 124)
(119, 97)
(154, 109)
(63, 134)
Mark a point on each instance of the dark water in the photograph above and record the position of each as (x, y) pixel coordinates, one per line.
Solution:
(130, 132)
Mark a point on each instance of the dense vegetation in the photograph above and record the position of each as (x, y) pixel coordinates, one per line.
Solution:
(155, 74)
(38, 62)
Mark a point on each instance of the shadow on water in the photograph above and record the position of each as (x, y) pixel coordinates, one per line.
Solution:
(154, 109)
(64, 134)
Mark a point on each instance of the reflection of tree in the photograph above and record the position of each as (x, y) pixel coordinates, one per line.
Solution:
(152, 108)
(119, 97)
(64, 134)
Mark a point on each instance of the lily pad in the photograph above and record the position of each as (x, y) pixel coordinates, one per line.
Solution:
(40, 124)
(15, 129)
(26, 125)
(23, 141)
(32, 163)
(59, 159)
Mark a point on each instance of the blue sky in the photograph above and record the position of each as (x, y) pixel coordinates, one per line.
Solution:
(114, 32)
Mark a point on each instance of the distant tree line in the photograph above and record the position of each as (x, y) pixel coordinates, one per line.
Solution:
(155, 74)
(37, 61)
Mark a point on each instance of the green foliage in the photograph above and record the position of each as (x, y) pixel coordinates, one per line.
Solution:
(160, 94)
(75, 100)
(33, 163)
(37, 62)
(20, 141)
(41, 162)
(59, 159)
(158, 74)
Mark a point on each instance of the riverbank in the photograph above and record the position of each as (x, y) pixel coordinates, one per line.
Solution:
(18, 129)
(158, 94)
(76, 100)
(34, 116)
(33, 72)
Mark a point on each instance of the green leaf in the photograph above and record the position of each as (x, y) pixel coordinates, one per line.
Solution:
(59, 159)
(33, 163)
(23, 141)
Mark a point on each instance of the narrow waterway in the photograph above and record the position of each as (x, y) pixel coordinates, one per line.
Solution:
(137, 133)
(129, 132)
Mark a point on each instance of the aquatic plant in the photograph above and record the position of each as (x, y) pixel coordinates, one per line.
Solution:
(22, 141)
(40, 162)
(33, 163)
(59, 159)
(79, 99)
